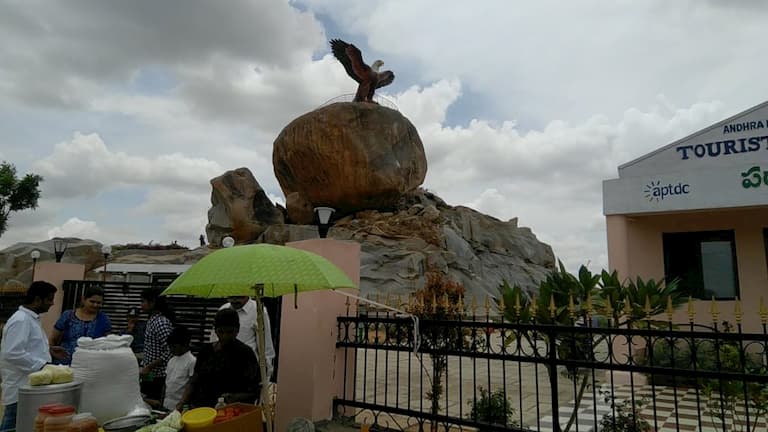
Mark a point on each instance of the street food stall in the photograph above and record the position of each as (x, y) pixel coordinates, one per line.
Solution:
(100, 392)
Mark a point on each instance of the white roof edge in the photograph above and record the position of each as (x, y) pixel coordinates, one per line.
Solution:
(699, 132)
(143, 268)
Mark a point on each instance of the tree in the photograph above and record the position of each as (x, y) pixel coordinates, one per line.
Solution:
(16, 194)
(438, 300)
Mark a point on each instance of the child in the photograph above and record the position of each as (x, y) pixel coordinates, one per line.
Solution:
(180, 368)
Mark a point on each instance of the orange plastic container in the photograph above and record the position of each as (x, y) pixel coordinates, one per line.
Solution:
(84, 422)
(248, 420)
(42, 414)
(59, 418)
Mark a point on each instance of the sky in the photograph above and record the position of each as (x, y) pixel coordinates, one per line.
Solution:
(128, 109)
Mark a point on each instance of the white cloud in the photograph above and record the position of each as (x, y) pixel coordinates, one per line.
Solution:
(85, 166)
(29, 225)
(548, 59)
(75, 227)
(184, 214)
(550, 178)
(98, 43)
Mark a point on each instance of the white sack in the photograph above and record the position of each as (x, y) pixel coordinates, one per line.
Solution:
(108, 369)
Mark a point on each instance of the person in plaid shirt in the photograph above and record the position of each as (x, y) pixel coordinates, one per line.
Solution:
(156, 351)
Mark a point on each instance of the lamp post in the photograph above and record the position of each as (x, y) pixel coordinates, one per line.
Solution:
(35, 255)
(227, 242)
(106, 250)
(59, 247)
(324, 215)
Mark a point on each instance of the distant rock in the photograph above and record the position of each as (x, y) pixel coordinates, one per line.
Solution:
(16, 263)
(240, 208)
(349, 156)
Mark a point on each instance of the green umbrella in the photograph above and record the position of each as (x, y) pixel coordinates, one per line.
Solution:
(239, 270)
(259, 270)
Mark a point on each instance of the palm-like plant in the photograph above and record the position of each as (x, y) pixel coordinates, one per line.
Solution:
(565, 299)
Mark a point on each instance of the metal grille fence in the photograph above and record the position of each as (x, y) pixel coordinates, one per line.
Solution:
(491, 374)
(195, 314)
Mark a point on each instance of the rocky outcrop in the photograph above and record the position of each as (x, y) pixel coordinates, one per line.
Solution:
(240, 208)
(16, 263)
(349, 156)
(423, 232)
(477, 250)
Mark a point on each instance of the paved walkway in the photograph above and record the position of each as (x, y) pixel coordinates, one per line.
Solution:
(675, 411)
(402, 380)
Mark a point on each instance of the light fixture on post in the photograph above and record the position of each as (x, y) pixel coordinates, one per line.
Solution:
(106, 250)
(324, 215)
(227, 242)
(59, 247)
(35, 255)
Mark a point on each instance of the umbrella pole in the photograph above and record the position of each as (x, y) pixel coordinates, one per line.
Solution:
(264, 397)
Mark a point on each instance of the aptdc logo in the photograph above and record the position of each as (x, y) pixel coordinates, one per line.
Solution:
(655, 191)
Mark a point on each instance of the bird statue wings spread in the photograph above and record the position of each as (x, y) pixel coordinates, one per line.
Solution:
(369, 78)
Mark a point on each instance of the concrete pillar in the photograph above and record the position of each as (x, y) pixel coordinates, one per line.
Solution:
(311, 369)
(618, 244)
(56, 273)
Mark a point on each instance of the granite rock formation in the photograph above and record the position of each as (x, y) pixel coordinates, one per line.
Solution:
(349, 156)
(15, 262)
(421, 232)
(240, 208)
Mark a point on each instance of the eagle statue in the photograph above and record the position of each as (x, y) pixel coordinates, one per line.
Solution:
(368, 77)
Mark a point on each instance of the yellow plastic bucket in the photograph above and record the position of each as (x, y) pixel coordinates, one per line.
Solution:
(198, 418)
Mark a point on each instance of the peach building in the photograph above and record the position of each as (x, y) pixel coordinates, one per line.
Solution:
(697, 210)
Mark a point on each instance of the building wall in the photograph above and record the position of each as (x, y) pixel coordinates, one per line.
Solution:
(635, 249)
(311, 368)
(56, 273)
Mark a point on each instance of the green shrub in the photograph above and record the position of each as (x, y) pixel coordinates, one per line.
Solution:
(623, 419)
(699, 355)
(724, 399)
(150, 246)
(492, 408)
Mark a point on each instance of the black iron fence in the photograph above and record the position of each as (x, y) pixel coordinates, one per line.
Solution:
(485, 373)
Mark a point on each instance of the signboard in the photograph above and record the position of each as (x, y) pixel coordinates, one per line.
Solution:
(729, 187)
(736, 141)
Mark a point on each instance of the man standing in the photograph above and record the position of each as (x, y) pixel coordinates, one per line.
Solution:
(246, 311)
(24, 348)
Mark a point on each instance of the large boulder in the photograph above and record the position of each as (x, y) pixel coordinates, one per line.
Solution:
(240, 208)
(349, 156)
